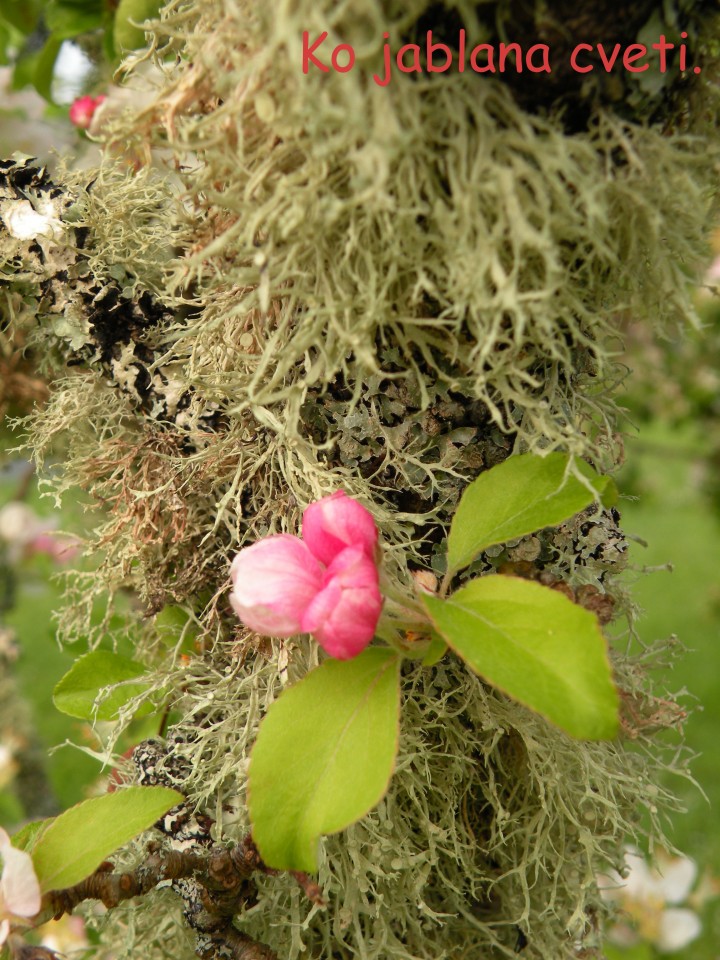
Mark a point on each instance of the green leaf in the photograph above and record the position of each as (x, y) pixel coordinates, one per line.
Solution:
(37, 68)
(86, 684)
(174, 623)
(535, 645)
(6, 35)
(77, 842)
(518, 496)
(126, 35)
(68, 20)
(45, 67)
(26, 838)
(437, 648)
(324, 756)
(20, 14)
(108, 40)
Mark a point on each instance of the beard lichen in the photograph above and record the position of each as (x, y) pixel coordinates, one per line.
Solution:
(327, 284)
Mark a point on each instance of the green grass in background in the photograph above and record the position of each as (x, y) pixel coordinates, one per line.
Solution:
(42, 663)
(675, 518)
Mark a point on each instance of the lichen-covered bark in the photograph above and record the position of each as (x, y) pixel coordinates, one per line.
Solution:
(388, 291)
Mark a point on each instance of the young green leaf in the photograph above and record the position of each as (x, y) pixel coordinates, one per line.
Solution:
(28, 836)
(22, 16)
(535, 645)
(131, 12)
(437, 648)
(68, 20)
(37, 67)
(81, 688)
(518, 496)
(77, 842)
(324, 756)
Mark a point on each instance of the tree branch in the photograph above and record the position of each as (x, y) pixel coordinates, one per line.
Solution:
(214, 886)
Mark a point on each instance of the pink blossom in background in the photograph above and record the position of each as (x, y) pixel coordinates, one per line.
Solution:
(82, 110)
(19, 888)
(325, 584)
(336, 522)
(25, 533)
(58, 548)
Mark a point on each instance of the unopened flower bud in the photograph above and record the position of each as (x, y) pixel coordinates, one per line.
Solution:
(425, 581)
(343, 615)
(332, 524)
(274, 581)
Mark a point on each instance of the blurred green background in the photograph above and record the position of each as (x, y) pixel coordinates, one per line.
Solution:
(677, 518)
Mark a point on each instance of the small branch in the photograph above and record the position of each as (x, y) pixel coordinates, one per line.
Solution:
(112, 888)
(310, 888)
(233, 945)
(252, 861)
(218, 883)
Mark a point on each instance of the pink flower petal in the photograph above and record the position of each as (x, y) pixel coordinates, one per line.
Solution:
(19, 888)
(344, 614)
(336, 522)
(60, 549)
(274, 582)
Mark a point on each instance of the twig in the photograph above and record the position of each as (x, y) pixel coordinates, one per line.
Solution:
(213, 885)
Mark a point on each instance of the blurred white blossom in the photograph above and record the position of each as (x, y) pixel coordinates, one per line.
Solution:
(650, 899)
(8, 765)
(19, 888)
(65, 936)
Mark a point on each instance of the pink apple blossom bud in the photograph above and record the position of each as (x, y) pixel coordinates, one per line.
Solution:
(274, 582)
(343, 615)
(19, 887)
(336, 522)
(82, 110)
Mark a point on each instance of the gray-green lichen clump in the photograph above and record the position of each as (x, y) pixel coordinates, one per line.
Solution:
(323, 283)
